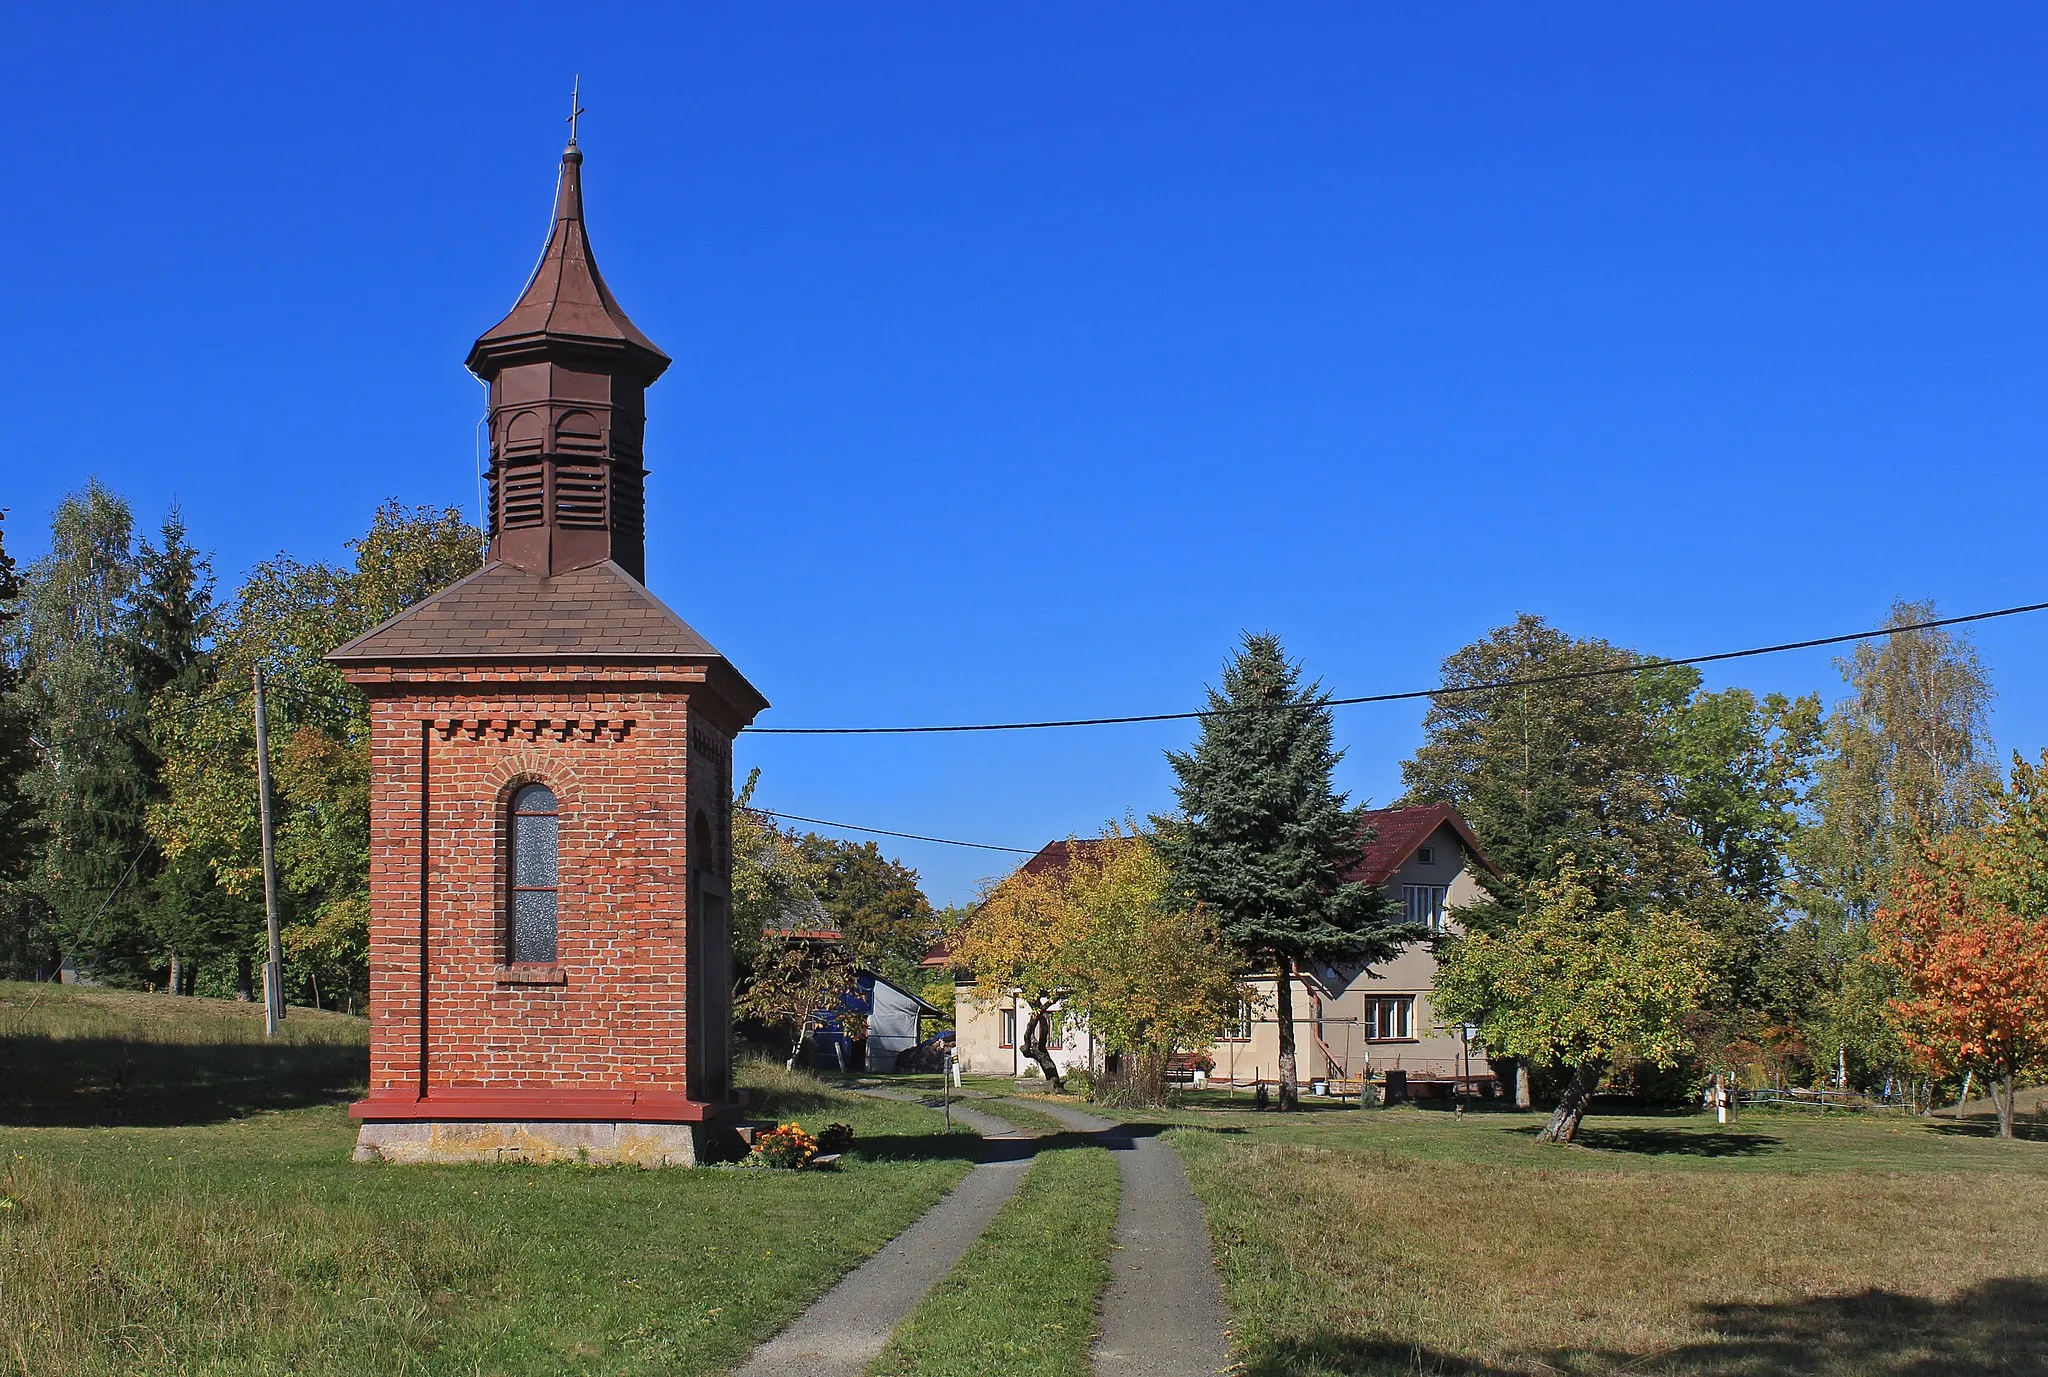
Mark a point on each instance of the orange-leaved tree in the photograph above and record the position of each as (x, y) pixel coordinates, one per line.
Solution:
(1966, 931)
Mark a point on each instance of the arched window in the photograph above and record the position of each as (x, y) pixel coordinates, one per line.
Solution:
(535, 844)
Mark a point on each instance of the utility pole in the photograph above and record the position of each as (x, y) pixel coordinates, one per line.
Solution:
(273, 965)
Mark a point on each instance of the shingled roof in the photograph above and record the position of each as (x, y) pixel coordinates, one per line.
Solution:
(500, 612)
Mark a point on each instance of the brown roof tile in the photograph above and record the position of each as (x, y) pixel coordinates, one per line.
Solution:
(501, 612)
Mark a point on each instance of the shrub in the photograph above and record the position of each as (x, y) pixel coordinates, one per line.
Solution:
(836, 1138)
(787, 1147)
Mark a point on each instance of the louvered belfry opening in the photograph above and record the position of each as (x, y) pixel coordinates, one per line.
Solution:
(568, 374)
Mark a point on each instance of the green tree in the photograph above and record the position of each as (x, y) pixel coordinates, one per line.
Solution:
(1668, 797)
(1265, 843)
(170, 628)
(876, 903)
(1579, 984)
(1579, 766)
(286, 617)
(91, 780)
(21, 838)
(1738, 769)
(775, 880)
(1907, 763)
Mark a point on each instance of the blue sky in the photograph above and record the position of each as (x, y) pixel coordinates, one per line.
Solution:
(1027, 355)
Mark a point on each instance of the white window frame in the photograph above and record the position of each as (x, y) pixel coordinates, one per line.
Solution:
(1425, 905)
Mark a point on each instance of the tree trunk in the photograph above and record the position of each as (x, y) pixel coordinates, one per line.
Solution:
(1037, 1033)
(177, 982)
(1283, 1009)
(1523, 1098)
(1571, 1106)
(2003, 1102)
(245, 977)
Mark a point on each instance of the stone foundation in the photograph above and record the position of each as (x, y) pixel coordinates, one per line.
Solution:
(595, 1144)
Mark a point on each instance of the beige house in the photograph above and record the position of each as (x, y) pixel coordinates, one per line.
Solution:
(1349, 1022)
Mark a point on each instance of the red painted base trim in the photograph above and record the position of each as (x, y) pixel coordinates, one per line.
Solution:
(623, 1105)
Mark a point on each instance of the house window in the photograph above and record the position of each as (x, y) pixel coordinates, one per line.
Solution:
(1009, 1027)
(1425, 906)
(1241, 1030)
(1390, 1018)
(1425, 855)
(535, 836)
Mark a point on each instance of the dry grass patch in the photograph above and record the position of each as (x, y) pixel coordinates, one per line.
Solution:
(1361, 1261)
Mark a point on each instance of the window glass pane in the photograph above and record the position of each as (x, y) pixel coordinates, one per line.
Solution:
(534, 798)
(533, 851)
(533, 925)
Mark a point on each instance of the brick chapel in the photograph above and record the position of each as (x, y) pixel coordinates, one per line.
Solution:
(551, 785)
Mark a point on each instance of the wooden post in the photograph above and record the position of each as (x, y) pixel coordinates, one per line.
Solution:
(273, 966)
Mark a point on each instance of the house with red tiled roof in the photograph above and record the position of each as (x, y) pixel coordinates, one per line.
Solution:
(1351, 1021)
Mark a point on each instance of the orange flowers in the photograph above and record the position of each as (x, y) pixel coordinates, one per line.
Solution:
(786, 1146)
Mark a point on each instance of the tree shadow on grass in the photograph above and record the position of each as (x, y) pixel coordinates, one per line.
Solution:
(101, 1082)
(966, 1147)
(1995, 1327)
(2032, 1131)
(1667, 1142)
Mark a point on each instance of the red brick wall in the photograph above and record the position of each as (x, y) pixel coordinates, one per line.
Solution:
(618, 756)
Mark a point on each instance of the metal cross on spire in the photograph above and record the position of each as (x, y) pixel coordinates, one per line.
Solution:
(575, 107)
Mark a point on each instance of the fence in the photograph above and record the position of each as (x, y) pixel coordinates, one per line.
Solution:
(1766, 1096)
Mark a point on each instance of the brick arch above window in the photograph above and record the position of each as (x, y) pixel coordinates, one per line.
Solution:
(529, 766)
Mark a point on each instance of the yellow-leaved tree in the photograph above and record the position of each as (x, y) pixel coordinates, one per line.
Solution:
(1086, 927)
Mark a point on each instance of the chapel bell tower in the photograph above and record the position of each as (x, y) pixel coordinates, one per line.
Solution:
(551, 784)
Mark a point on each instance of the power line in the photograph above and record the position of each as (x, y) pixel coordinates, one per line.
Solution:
(885, 832)
(1444, 691)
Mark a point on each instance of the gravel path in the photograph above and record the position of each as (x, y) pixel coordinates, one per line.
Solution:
(1163, 1315)
(848, 1326)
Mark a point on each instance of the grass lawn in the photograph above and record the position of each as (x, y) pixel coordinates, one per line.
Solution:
(1412, 1241)
(1023, 1300)
(176, 1197)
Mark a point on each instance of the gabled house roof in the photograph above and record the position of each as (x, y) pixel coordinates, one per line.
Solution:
(1399, 831)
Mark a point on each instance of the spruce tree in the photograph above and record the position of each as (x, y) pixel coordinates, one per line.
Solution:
(20, 839)
(169, 628)
(1265, 843)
